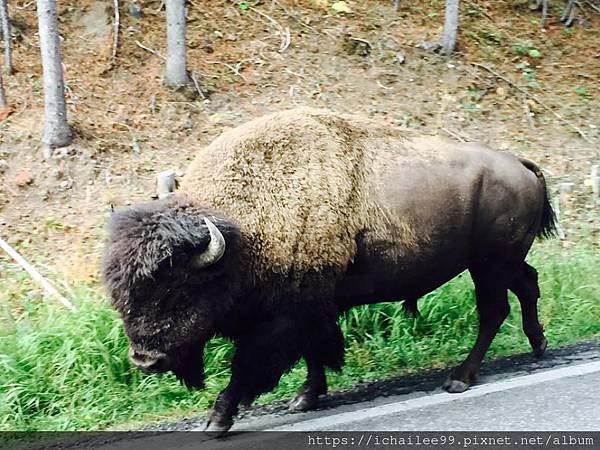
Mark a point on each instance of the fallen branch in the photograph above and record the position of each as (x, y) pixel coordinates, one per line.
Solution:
(35, 274)
(235, 70)
(116, 31)
(582, 11)
(285, 33)
(275, 2)
(364, 41)
(594, 7)
(557, 214)
(148, 49)
(535, 99)
(287, 40)
(135, 146)
(299, 75)
(197, 85)
(382, 86)
(25, 6)
(453, 134)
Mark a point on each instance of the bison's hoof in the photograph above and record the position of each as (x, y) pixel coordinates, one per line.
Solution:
(304, 401)
(455, 386)
(539, 349)
(217, 426)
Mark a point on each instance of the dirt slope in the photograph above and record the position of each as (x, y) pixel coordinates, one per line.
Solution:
(369, 61)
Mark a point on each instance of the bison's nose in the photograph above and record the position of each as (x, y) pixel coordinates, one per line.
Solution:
(148, 361)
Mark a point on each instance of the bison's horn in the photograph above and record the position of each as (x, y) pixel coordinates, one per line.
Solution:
(215, 249)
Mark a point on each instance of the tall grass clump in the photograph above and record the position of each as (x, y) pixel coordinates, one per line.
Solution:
(63, 370)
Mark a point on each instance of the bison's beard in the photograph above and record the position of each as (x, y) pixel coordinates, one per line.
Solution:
(188, 366)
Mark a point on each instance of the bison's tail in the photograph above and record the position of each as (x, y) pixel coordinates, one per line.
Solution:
(548, 224)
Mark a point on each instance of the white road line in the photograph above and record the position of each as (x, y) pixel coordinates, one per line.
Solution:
(330, 422)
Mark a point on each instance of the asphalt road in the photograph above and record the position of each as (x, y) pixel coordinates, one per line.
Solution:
(559, 393)
(558, 399)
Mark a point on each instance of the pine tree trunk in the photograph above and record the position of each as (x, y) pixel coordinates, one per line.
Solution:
(7, 37)
(3, 104)
(176, 72)
(57, 132)
(450, 27)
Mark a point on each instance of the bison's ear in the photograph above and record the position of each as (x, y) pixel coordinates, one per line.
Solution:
(215, 249)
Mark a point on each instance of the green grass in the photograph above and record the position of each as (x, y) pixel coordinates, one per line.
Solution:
(69, 371)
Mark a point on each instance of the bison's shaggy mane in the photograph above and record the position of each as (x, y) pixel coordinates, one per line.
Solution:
(144, 238)
(302, 185)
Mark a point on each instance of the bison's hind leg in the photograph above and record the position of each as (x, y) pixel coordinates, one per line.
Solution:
(315, 385)
(410, 306)
(491, 291)
(526, 288)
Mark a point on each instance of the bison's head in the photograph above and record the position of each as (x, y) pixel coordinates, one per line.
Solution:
(168, 268)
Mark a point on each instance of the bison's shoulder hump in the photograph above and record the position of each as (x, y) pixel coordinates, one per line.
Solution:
(297, 183)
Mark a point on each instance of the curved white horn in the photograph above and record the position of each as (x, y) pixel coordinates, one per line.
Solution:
(215, 249)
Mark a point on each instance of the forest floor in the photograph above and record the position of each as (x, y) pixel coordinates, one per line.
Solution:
(371, 61)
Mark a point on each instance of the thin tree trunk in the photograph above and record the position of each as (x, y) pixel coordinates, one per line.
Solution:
(57, 132)
(8, 68)
(544, 5)
(450, 27)
(3, 104)
(176, 72)
(396, 5)
(570, 12)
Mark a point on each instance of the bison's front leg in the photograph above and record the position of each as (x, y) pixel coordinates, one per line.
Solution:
(220, 417)
(261, 358)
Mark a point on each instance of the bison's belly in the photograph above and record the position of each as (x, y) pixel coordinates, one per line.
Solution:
(374, 278)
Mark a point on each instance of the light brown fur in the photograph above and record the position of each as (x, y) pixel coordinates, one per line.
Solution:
(302, 184)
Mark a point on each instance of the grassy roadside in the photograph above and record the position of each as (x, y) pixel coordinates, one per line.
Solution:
(69, 371)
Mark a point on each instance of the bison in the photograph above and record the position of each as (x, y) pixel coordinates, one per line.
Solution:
(285, 222)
